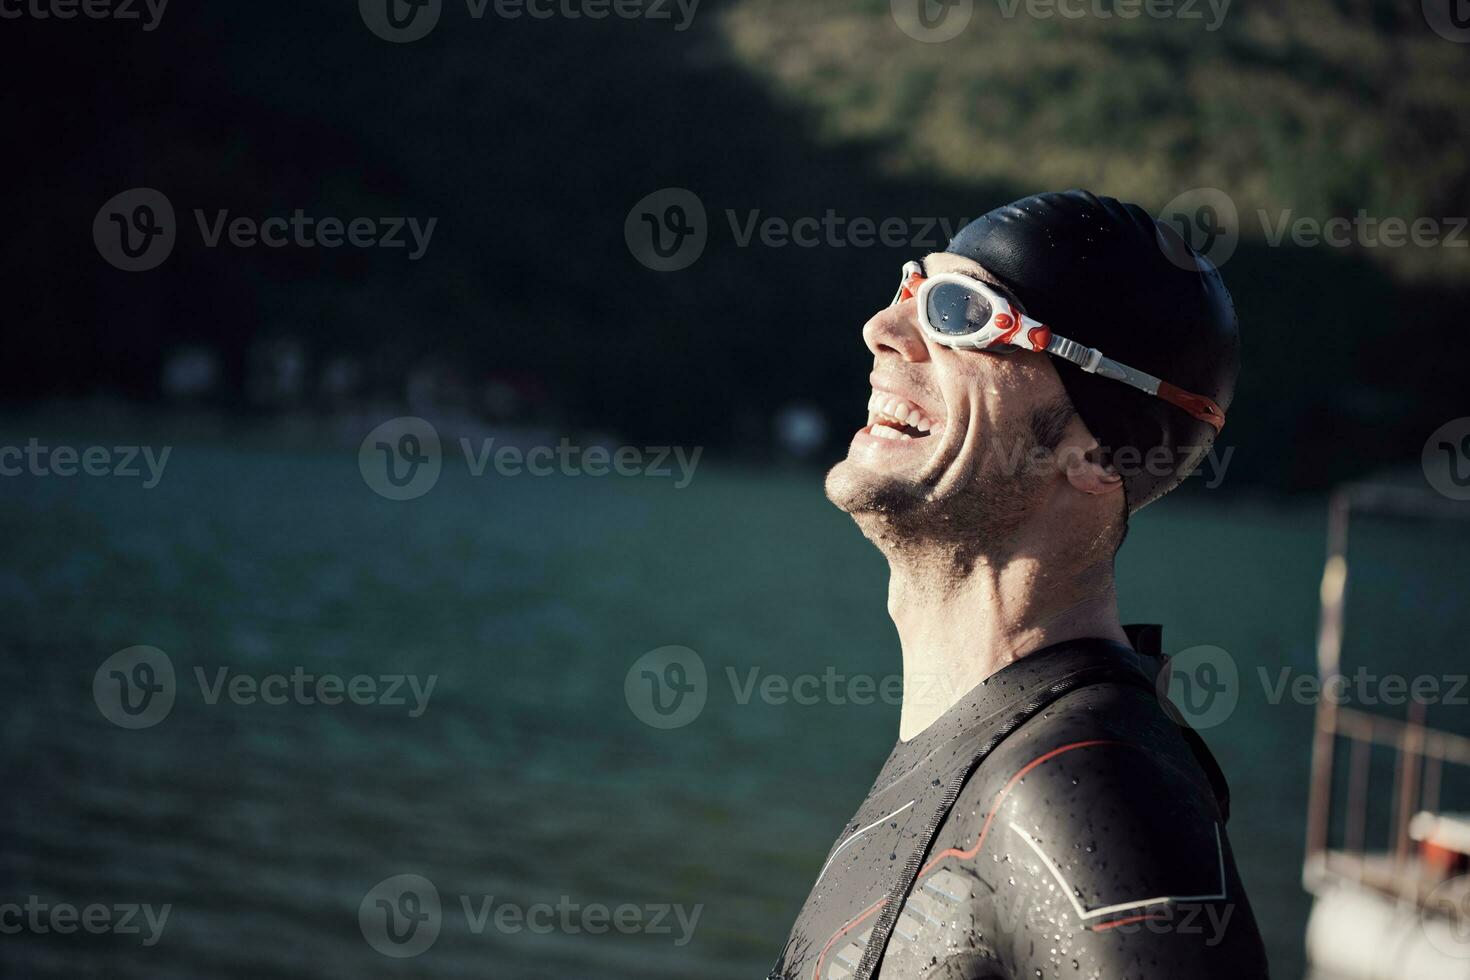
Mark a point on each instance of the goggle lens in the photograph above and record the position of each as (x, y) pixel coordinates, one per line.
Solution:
(955, 311)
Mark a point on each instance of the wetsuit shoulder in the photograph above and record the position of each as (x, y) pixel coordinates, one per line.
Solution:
(1091, 844)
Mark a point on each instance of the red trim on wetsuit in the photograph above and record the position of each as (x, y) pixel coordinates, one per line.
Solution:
(1000, 798)
(817, 970)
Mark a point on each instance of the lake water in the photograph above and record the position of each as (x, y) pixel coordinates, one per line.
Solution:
(527, 781)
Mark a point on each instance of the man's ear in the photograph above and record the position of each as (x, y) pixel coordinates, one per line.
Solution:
(1082, 462)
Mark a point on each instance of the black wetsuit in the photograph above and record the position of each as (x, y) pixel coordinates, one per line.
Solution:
(1054, 823)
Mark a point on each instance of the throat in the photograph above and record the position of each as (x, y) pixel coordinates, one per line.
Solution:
(955, 635)
(929, 693)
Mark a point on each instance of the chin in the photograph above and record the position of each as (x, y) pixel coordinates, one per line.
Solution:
(898, 511)
(857, 490)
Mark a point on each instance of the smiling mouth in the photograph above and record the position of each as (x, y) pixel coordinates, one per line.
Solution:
(892, 417)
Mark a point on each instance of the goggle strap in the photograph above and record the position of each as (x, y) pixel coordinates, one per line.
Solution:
(1199, 406)
(1087, 358)
(1091, 360)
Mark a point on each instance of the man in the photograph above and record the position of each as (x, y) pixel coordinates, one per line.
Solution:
(1066, 361)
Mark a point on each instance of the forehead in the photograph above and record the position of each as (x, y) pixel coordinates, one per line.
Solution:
(949, 262)
(937, 262)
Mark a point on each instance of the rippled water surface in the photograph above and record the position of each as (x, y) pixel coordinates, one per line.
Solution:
(526, 779)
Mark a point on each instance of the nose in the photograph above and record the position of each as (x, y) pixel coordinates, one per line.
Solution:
(895, 330)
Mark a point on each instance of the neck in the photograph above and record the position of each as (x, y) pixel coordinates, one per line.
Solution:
(962, 619)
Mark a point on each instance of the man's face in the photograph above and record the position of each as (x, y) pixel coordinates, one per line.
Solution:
(950, 447)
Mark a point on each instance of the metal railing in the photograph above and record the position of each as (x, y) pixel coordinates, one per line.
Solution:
(1420, 753)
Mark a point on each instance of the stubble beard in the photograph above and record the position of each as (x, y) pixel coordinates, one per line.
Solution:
(909, 520)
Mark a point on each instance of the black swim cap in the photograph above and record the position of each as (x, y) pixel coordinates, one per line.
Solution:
(1108, 275)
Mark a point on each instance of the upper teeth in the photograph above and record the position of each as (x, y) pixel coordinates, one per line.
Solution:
(895, 409)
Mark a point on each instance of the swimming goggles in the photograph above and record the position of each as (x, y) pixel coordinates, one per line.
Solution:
(964, 313)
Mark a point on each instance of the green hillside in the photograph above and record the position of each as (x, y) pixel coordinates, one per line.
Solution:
(1315, 109)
